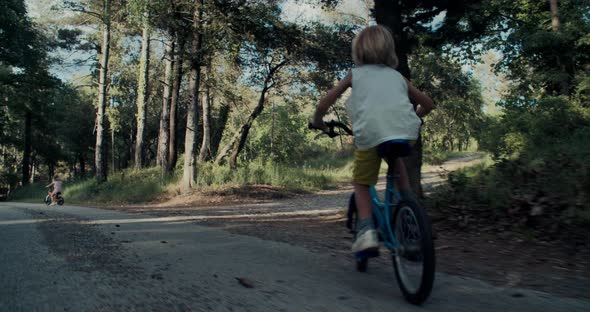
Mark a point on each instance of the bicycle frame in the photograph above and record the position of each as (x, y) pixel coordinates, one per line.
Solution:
(382, 211)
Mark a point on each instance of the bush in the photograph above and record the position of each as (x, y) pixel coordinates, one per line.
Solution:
(541, 169)
(32, 192)
(128, 186)
(315, 174)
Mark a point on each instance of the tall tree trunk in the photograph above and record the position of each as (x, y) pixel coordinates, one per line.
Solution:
(113, 160)
(555, 23)
(50, 170)
(217, 133)
(388, 13)
(142, 94)
(99, 151)
(206, 143)
(82, 165)
(227, 148)
(245, 129)
(272, 132)
(164, 136)
(190, 169)
(179, 56)
(33, 169)
(564, 85)
(26, 169)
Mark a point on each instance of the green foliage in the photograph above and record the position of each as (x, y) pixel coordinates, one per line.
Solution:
(34, 192)
(126, 187)
(536, 130)
(477, 186)
(538, 59)
(29, 96)
(22, 44)
(542, 160)
(457, 118)
(280, 135)
(312, 174)
(539, 142)
(131, 186)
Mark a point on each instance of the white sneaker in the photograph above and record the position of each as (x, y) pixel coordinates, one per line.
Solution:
(53, 204)
(366, 241)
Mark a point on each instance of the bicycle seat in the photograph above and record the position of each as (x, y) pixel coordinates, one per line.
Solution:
(394, 149)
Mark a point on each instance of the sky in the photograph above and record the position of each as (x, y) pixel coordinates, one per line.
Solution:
(302, 11)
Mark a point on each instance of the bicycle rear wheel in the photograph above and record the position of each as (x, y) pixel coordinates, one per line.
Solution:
(415, 261)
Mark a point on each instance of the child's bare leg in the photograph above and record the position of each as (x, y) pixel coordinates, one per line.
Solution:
(403, 182)
(366, 237)
(362, 197)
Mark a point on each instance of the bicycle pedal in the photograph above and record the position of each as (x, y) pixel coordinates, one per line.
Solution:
(370, 253)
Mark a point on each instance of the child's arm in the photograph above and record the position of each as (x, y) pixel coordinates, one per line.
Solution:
(417, 96)
(329, 99)
(50, 185)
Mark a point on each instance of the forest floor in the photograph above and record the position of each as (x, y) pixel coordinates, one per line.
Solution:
(315, 221)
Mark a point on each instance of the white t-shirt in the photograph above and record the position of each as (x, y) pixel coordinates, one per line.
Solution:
(57, 186)
(380, 108)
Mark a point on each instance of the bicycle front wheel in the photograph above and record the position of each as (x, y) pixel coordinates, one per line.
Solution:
(414, 262)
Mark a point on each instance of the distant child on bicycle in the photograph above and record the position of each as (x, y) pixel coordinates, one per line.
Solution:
(382, 113)
(57, 188)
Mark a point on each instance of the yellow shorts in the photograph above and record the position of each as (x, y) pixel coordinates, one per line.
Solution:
(366, 166)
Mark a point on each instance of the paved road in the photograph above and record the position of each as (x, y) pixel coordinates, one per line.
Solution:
(83, 259)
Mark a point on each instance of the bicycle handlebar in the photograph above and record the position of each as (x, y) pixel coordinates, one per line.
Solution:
(331, 126)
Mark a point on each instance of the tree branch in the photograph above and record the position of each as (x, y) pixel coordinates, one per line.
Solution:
(424, 16)
(82, 10)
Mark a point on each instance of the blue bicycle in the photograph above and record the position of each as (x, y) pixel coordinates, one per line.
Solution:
(403, 227)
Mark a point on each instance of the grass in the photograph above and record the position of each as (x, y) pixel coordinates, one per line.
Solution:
(132, 186)
(128, 186)
(310, 175)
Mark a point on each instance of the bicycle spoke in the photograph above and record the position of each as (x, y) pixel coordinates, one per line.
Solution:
(409, 262)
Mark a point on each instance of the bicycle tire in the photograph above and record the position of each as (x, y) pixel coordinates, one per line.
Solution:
(60, 201)
(47, 200)
(422, 292)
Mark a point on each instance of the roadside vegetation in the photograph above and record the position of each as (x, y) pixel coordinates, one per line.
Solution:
(539, 181)
(139, 186)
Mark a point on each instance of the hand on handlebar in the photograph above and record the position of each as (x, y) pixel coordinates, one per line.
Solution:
(328, 128)
(321, 125)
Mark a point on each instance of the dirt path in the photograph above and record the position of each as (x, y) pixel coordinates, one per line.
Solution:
(316, 222)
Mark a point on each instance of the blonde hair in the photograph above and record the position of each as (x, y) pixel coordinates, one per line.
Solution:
(374, 45)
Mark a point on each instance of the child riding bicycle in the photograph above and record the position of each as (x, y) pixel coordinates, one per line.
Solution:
(382, 115)
(57, 189)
